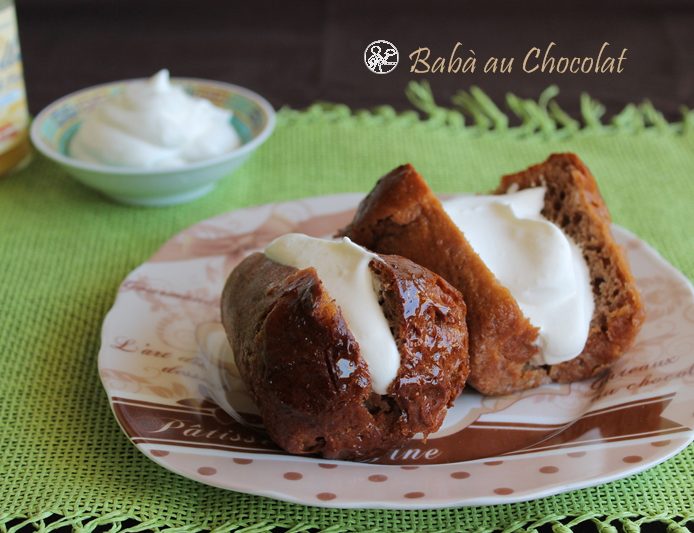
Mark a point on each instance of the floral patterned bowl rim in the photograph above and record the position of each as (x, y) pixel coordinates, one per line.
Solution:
(74, 104)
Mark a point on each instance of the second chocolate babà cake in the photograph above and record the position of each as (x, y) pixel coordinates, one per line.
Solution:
(402, 216)
(307, 373)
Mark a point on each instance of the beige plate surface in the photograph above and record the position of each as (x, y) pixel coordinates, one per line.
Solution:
(163, 347)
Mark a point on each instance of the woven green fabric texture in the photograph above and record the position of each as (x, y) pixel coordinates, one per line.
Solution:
(64, 250)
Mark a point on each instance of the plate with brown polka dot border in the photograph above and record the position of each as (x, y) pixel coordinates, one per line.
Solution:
(173, 387)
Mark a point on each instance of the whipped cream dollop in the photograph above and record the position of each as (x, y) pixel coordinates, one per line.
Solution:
(154, 124)
(343, 268)
(541, 266)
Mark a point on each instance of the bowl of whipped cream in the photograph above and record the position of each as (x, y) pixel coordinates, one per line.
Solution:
(154, 142)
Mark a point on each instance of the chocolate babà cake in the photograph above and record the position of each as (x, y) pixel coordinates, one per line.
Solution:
(305, 369)
(402, 216)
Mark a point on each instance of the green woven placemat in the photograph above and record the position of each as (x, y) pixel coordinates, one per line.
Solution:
(64, 250)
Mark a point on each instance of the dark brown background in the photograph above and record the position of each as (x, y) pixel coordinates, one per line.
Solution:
(298, 52)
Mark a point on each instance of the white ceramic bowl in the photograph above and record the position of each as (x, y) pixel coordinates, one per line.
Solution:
(253, 119)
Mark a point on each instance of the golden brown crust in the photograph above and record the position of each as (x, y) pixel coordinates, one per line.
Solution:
(402, 216)
(574, 203)
(304, 370)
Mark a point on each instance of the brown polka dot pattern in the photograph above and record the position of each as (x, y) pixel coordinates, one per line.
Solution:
(549, 470)
(327, 465)
(207, 471)
(659, 443)
(293, 476)
(243, 461)
(460, 475)
(493, 463)
(414, 495)
(378, 478)
(326, 496)
(160, 453)
(632, 459)
(576, 454)
(503, 491)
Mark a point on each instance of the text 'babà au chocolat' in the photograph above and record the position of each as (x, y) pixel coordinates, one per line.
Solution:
(536, 60)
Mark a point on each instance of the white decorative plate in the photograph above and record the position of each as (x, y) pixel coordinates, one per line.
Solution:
(163, 347)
